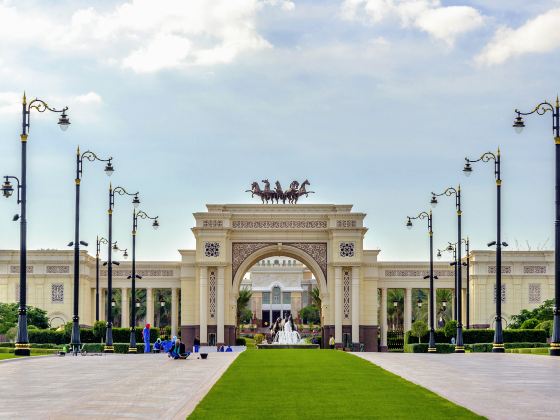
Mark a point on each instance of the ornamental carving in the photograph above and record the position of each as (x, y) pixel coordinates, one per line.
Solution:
(534, 269)
(502, 294)
(418, 273)
(57, 293)
(212, 223)
(212, 249)
(345, 223)
(346, 249)
(14, 269)
(534, 293)
(242, 250)
(506, 269)
(58, 269)
(143, 273)
(279, 224)
(346, 294)
(212, 294)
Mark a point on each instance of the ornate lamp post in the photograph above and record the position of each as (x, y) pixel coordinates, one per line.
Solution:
(459, 348)
(22, 341)
(428, 216)
(451, 248)
(88, 155)
(498, 345)
(135, 202)
(135, 215)
(519, 124)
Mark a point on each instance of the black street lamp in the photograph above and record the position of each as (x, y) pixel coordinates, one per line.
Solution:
(135, 215)
(519, 124)
(451, 248)
(498, 345)
(22, 347)
(459, 347)
(428, 216)
(135, 202)
(468, 266)
(88, 155)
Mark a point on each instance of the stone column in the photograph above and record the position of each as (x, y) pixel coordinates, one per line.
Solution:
(464, 307)
(220, 307)
(102, 305)
(356, 307)
(338, 305)
(203, 305)
(149, 306)
(125, 308)
(384, 326)
(174, 311)
(408, 309)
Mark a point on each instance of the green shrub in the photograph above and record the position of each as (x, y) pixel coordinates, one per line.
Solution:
(259, 338)
(240, 341)
(450, 328)
(48, 336)
(530, 324)
(547, 326)
(527, 336)
(99, 329)
(7, 344)
(419, 329)
(120, 348)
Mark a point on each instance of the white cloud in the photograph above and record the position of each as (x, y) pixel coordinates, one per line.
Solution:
(10, 102)
(538, 35)
(143, 35)
(89, 98)
(441, 22)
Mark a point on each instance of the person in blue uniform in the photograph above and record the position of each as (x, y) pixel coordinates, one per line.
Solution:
(146, 335)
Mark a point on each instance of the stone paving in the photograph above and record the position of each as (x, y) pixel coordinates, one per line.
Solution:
(110, 386)
(497, 386)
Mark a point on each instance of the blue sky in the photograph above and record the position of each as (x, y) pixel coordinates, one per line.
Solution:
(376, 102)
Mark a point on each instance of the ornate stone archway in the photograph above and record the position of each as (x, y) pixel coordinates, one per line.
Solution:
(230, 238)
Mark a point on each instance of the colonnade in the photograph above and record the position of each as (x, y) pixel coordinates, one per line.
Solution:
(408, 305)
(126, 306)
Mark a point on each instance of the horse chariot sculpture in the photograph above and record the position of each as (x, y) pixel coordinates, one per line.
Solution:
(291, 195)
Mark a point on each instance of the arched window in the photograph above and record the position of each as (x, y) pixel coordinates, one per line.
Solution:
(276, 295)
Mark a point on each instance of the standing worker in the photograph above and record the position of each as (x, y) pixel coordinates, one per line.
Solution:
(146, 335)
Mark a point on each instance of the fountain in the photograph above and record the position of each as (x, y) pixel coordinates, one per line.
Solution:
(286, 336)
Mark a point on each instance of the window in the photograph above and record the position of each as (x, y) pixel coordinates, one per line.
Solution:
(305, 298)
(212, 293)
(276, 295)
(266, 298)
(503, 293)
(286, 297)
(534, 293)
(346, 294)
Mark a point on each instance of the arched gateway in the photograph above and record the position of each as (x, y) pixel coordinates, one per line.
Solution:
(328, 239)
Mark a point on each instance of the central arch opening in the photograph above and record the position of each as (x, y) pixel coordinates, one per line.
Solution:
(275, 285)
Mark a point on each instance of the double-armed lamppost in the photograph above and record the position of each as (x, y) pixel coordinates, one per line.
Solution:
(467, 264)
(428, 216)
(451, 248)
(135, 202)
(459, 348)
(22, 341)
(135, 216)
(87, 155)
(519, 124)
(498, 345)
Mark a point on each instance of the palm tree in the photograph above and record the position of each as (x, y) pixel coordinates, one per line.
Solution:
(441, 296)
(396, 313)
(243, 300)
(316, 301)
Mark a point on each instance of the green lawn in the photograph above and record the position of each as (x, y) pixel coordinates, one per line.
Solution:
(318, 384)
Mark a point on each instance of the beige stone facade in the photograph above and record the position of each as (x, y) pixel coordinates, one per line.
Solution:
(230, 239)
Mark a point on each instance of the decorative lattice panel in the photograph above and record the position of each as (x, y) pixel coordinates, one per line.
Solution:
(534, 269)
(212, 294)
(534, 293)
(58, 269)
(346, 249)
(57, 293)
(346, 283)
(212, 249)
(503, 294)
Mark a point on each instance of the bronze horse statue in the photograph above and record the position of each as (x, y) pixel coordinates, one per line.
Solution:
(291, 195)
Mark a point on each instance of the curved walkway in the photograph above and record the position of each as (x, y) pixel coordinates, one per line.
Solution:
(110, 386)
(498, 386)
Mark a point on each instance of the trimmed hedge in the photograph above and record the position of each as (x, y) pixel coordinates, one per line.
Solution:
(485, 336)
(476, 348)
(423, 348)
(536, 350)
(121, 348)
(120, 335)
(34, 351)
(240, 341)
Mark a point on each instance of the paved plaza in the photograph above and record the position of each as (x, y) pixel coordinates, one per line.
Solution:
(497, 386)
(110, 386)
